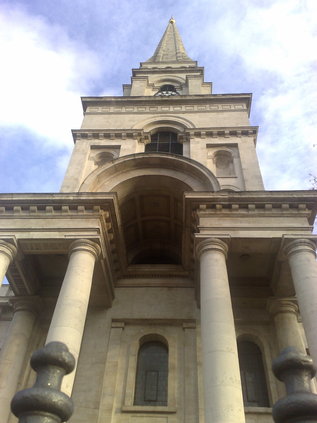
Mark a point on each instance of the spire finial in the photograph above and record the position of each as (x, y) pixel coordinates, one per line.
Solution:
(170, 48)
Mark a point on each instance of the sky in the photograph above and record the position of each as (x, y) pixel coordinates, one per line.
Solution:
(55, 51)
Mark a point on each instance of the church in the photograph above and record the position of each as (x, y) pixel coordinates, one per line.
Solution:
(170, 273)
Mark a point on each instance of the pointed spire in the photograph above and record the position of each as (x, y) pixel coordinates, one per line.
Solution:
(171, 47)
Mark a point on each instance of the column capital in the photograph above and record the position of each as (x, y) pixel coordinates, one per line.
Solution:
(211, 244)
(7, 249)
(300, 245)
(282, 305)
(32, 304)
(85, 245)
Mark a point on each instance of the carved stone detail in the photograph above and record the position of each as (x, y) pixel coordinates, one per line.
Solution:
(300, 404)
(44, 402)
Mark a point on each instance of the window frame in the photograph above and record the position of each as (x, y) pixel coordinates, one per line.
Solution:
(172, 143)
(128, 402)
(242, 339)
(147, 365)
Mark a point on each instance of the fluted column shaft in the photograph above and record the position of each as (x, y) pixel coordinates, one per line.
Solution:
(302, 260)
(14, 349)
(70, 312)
(7, 253)
(222, 386)
(285, 315)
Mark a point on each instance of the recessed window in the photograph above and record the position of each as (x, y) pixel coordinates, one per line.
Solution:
(164, 142)
(254, 387)
(224, 163)
(152, 375)
(167, 90)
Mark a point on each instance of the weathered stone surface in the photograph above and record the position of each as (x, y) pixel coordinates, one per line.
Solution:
(44, 402)
(296, 370)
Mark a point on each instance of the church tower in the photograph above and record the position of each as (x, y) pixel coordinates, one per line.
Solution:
(163, 264)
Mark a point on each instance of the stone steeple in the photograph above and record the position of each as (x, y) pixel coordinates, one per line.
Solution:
(169, 66)
(162, 239)
(171, 47)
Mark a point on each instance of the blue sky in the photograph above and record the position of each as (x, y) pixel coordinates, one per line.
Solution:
(54, 51)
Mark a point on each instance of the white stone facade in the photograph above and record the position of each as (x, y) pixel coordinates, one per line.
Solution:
(184, 249)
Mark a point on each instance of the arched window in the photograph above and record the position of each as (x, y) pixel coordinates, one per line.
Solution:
(254, 387)
(152, 374)
(165, 142)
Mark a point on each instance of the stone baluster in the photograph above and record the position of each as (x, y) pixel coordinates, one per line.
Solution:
(296, 371)
(221, 374)
(69, 316)
(44, 402)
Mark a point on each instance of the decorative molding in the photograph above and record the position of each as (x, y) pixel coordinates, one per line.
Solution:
(262, 203)
(110, 134)
(211, 244)
(85, 245)
(232, 107)
(103, 209)
(223, 132)
(301, 245)
(26, 303)
(277, 305)
(138, 134)
(8, 250)
(261, 209)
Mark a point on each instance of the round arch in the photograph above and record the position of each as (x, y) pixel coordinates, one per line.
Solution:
(179, 124)
(110, 176)
(150, 188)
(169, 79)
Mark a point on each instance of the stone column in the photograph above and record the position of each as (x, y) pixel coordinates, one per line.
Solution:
(285, 313)
(69, 316)
(14, 350)
(221, 373)
(302, 260)
(7, 253)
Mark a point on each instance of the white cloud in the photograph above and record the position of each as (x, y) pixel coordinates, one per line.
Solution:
(265, 47)
(276, 41)
(42, 76)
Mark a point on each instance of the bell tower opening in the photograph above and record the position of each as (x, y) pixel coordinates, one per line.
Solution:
(166, 90)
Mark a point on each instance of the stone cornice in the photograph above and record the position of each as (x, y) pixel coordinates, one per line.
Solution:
(160, 68)
(128, 103)
(103, 208)
(26, 205)
(223, 131)
(95, 135)
(64, 205)
(258, 202)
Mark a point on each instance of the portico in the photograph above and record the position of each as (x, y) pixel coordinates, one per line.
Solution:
(172, 276)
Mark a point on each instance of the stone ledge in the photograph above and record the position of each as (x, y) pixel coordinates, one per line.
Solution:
(258, 410)
(142, 409)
